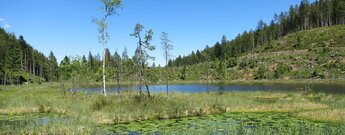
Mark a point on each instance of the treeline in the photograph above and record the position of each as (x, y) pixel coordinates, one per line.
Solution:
(300, 17)
(80, 71)
(83, 70)
(91, 66)
(19, 62)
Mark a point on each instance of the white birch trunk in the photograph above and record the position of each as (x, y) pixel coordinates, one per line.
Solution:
(104, 45)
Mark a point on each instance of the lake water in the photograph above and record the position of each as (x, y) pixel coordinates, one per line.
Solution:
(17, 122)
(192, 88)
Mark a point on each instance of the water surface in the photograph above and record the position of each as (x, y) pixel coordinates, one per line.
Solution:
(192, 88)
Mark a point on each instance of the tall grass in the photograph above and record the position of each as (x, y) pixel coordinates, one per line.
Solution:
(87, 111)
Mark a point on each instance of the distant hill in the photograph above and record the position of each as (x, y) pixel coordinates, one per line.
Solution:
(311, 54)
(305, 42)
(304, 16)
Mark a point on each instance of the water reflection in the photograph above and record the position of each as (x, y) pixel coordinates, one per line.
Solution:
(192, 88)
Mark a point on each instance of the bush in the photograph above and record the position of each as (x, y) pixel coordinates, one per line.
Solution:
(232, 62)
(260, 73)
(100, 103)
(281, 70)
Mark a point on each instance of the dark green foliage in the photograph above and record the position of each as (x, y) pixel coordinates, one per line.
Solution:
(65, 69)
(260, 73)
(221, 70)
(232, 62)
(183, 73)
(299, 18)
(281, 70)
(19, 60)
(217, 50)
(53, 67)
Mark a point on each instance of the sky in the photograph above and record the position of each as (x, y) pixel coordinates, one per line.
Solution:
(65, 26)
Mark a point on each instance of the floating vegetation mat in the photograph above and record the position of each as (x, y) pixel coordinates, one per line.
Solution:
(229, 123)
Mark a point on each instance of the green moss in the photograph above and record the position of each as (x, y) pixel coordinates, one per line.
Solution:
(247, 123)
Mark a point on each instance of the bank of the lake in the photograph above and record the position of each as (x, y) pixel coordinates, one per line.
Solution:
(88, 112)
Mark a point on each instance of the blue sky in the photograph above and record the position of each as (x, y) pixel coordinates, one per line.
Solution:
(65, 26)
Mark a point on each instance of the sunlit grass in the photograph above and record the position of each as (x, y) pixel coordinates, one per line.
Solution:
(88, 111)
(329, 115)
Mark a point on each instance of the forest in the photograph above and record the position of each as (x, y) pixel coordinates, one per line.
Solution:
(305, 16)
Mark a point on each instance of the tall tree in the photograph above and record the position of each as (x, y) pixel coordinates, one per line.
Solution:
(117, 64)
(217, 50)
(141, 53)
(90, 61)
(109, 8)
(125, 54)
(167, 47)
(339, 11)
(221, 75)
(108, 58)
(53, 66)
(305, 13)
(224, 40)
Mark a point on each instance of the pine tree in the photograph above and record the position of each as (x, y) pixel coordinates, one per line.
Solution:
(53, 67)
(142, 55)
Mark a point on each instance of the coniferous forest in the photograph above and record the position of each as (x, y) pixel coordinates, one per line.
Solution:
(22, 63)
(304, 16)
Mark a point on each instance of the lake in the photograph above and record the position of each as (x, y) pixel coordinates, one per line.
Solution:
(192, 88)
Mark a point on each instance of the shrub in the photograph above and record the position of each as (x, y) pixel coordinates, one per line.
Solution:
(260, 73)
(281, 70)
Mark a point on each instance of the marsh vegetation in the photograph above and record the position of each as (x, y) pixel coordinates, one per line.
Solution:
(88, 113)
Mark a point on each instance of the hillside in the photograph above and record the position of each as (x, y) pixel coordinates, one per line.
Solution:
(313, 54)
(20, 62)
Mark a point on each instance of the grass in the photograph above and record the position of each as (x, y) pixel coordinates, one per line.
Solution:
(88, 111)
(333, 115)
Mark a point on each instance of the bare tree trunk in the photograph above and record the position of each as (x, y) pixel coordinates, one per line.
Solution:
(5, 79)
(25, 63)
(41, 73)
(146, 85)
(105, 46)
(62, 85)
(254, 41)
(147, 89)
(142, 73)
(207, 74)
(17, 82)
(118, 81)
(34, 67)
(139, 80)
(167, 67)
(11, 79)
(329, 19)
(21, 62)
